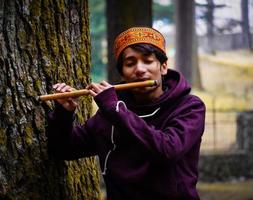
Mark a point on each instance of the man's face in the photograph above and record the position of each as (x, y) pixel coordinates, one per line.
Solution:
(141, 67)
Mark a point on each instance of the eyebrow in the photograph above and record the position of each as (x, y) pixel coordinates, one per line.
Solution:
(128, 57)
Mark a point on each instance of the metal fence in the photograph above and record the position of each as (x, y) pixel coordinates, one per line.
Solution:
(220, 131)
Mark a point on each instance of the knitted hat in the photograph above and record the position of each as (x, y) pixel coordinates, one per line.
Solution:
(137, 35)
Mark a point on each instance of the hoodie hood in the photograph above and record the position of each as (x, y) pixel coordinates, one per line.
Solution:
(174, 86)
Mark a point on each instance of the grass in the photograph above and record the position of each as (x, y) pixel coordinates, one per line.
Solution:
(227, 80)
(238, 59)
(241, 190)
(222, 102)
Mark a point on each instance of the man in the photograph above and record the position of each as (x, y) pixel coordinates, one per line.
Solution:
(147, 139)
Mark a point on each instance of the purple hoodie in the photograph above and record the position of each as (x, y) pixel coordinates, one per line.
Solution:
(146, 151)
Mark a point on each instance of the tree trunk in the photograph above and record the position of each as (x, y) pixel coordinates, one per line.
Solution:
(210, 26)
(245, 24)
(186, 43)
(41, 42)
(121, 15)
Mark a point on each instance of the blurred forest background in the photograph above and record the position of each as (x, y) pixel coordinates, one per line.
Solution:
(220, 69)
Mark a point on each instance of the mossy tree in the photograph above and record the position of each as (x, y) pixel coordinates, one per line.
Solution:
(41, 42)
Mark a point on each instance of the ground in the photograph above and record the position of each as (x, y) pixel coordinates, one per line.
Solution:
(241, 190)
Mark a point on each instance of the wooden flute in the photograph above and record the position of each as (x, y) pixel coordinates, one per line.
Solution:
(78, 93)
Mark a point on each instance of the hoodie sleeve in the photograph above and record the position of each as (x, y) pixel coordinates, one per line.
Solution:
(66, 141)
(181, 132)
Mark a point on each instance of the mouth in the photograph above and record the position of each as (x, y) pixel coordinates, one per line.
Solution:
(157, 82)
(150, 85)
(141, 79)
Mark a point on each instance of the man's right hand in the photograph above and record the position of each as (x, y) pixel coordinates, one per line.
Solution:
(69, 104)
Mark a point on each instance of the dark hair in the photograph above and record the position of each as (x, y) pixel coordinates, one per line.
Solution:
(145, 49)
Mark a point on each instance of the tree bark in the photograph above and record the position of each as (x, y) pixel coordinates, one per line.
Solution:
(186, 43)
(42, 42)
(121, 15)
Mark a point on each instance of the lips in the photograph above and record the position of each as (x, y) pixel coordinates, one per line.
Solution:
(141, 79)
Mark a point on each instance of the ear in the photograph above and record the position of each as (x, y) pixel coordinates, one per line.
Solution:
(164, 68)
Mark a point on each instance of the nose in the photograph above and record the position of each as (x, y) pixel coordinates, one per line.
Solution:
(140, 68)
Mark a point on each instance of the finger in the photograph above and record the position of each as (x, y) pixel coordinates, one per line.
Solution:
(106, 84)
(89, 86)
(101, 86)
(92, 93)
(73, 104)
(96, 87)
(72, 101)
(61, 87)
(58, 87)
(66, 88)
(70, 105)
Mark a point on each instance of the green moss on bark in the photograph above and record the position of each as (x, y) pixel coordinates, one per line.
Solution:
(51, 48)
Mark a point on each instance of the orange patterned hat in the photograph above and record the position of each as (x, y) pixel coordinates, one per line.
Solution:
(138, 35)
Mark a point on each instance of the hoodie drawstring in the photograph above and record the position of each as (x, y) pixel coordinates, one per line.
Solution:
(112, 134)
(149, 115)
(112, 139)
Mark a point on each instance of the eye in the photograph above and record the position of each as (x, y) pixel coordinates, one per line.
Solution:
(148, 58)
(148, 61)
(129, 62)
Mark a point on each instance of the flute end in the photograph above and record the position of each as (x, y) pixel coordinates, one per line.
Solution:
(38, 99)
(156, 82)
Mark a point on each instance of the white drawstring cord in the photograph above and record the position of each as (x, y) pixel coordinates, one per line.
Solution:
(118, 103)
(112, 134)
(149, 115)
(109, 152)
(112, 140)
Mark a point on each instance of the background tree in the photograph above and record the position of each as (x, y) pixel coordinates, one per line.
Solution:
(120, 16)
(208, 16)
(210, 25)
(245, 24)
(163, 12)
(98, 39)
(186, 42)
(42, 42)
